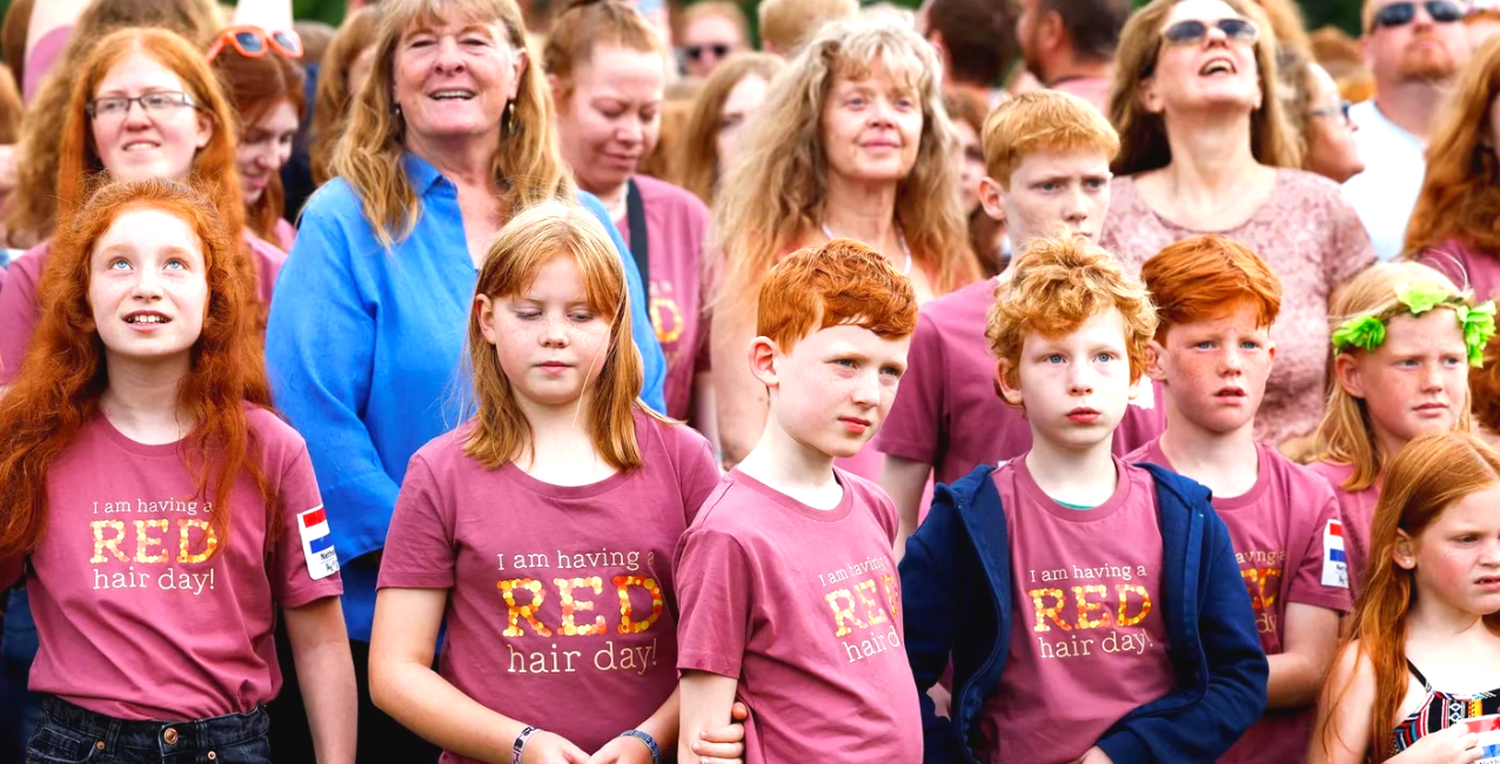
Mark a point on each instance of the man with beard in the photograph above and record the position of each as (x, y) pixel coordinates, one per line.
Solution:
(1415, 50)
(1070, 44)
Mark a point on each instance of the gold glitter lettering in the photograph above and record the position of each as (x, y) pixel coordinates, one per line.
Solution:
(873, 612)
(570, 606)
(1085, 607)
(1049, 612)
(1122, 619)
(144, 542)
(658, 602)
(517, 612)
(113, 545)
(210, 540)
(847, 611)
(892, 594)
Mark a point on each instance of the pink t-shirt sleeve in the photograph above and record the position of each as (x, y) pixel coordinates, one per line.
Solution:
(699, 470)
(419, 546)
(43, 56)
(1314, 580)
(20, 309)
(713, 589)
(268, 260)
(911, 429)
(288, 569)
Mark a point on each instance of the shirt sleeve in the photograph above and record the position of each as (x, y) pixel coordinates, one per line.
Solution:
(699, 475)
(20, 311)
(323, 386)
(292, 581)
(714, 591)
(653, 361)
(1351, 250)
(419, 552)
(915, 428)
(1321, 578)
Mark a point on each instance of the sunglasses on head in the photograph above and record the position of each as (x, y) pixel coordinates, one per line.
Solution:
(1193, 31)
(695, 52)
(1403, 13)
(253, 42)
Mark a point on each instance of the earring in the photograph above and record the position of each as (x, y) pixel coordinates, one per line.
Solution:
(508, 121)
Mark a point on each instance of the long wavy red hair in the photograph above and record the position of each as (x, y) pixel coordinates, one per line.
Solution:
(1460, 197)
(256, 86)
(1429, 474)
(79, 168)
(56, 393)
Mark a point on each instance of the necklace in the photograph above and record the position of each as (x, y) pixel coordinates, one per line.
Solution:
(900, 236)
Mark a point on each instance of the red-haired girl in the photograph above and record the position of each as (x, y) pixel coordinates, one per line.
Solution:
(144, 105)
(1425, 657)
(165, 511)
(540, 534)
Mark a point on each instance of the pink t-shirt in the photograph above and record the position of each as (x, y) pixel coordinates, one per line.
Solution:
(44, 55)
(1095, 90)
(1464, 266)
(285, 234)
(1289, 515)
(803, 607)
(134, 620)
(21, 303)
(1358, 512)
(1087, 597)
(947, 413)
(1313, 240)
(561, 609)
(675, 224)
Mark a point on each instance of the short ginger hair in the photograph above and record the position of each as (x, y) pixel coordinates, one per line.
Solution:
(1059, 283)
(1207, 277)
(840, 282)
(1042, 120)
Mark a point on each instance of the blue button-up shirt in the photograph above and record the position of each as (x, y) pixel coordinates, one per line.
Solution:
(364, 350)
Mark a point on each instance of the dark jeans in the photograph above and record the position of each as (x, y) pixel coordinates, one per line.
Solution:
(19, 708)
(69, 735)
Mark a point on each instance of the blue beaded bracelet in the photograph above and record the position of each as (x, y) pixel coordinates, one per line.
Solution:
(648, 740)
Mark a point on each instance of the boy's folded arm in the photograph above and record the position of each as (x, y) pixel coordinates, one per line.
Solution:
(1311, 641)
(1235, 695)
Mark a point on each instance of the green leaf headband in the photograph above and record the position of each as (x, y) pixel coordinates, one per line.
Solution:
(1368, 332)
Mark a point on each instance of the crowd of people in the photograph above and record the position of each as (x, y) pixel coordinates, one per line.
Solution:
(581, 383)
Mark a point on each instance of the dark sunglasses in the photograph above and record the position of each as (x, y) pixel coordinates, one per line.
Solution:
(695, 52)
(1401, 14)
(1193, 31)
(253, 42)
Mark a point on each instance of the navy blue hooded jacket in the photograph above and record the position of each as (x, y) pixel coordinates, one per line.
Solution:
(959, 560)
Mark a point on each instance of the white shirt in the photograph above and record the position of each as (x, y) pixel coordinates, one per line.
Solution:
(1386, 191)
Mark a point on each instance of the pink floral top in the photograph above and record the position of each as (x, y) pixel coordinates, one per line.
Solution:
(1313, 241)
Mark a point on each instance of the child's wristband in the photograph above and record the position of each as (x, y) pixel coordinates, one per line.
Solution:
(520, 744)
(644, 738)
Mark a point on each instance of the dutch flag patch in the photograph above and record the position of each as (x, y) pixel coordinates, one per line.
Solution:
(317, 543)
(1335, 562)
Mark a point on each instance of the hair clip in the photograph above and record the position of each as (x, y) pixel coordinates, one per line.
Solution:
(1479, 326)
(1421, 296)
(1364, 332)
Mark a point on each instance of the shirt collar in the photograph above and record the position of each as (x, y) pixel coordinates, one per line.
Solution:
(420, 172)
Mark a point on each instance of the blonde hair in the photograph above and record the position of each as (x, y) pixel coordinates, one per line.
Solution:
(528, 164)
(1346, 434)
(1143, 134)
(700, 158)
(1042, 120)
(534, 237)
(786, 24)
(783, 150)
(1059, 283)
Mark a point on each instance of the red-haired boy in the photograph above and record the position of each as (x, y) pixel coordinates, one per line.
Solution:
(1092, 609)
(786, 581)
(1047, 158)
(1216, 301)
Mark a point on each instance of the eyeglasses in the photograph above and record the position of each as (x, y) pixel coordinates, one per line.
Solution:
(1341, 111)
(695, 52)
(1193, 31)
(253, 42)
(116, 107)
(1401, 14)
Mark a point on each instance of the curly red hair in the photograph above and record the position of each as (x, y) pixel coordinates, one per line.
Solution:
(56, 394)
(1206, 277)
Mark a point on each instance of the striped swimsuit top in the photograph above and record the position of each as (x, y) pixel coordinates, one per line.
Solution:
(1441, 710)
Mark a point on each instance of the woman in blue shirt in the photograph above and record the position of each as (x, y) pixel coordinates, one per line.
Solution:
(451, 134)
